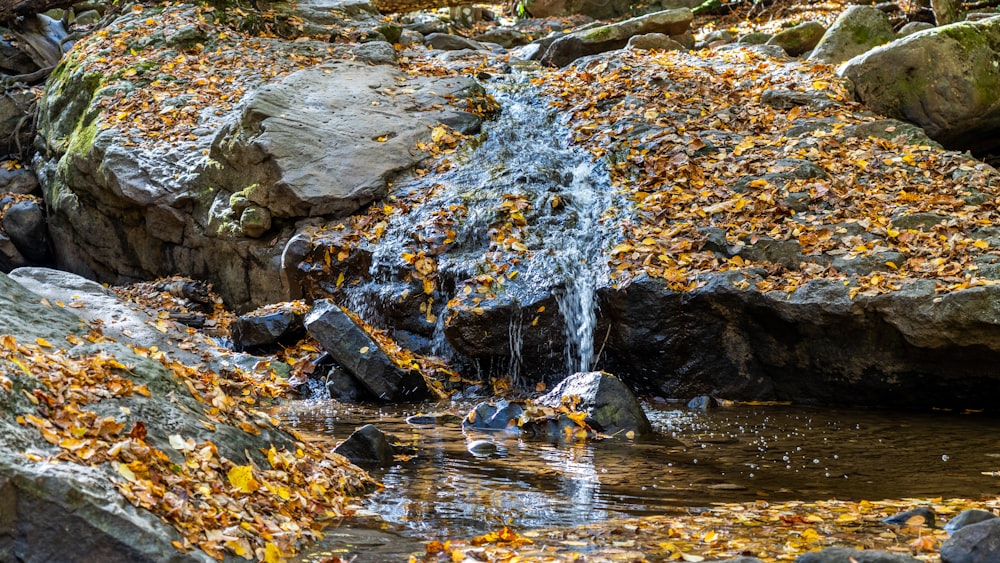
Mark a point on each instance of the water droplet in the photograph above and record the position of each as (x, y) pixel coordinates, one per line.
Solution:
(944, 457)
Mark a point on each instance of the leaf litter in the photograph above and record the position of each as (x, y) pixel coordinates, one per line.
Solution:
(679, 149)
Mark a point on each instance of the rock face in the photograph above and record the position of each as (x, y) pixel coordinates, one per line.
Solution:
(944, 79)
(351, 347)
(975, 543)
(574, 45)
(294, 150)
(856, 30)
(909, 348)
(605, 399)
(288, 154)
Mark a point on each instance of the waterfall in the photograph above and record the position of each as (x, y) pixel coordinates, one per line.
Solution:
(521, 180)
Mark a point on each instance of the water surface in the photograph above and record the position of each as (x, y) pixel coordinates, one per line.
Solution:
(738, 453)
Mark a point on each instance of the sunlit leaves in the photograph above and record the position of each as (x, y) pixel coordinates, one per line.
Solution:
(196, 493)
(241, 477)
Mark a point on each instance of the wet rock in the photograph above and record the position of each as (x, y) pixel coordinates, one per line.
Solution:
(846, 555)
(485, 448)
(355, 351)
(902, 80)
(448, 42)
(13, 60)
(966, 518)
(605, 399)
(572, 46)
(856, 30)
(267, 327)
(890, 129)
(815, 344)
(342, 386)
(651, 41)
(367, 447)
(718, 37)
(799, 39)
(917, 517)
(433, 419)
(492, 416)
(975, 543)
(703, 403)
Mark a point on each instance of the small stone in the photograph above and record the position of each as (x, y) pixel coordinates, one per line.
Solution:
(367, 447)
(483, 448)
(967, 518)
(703, 403)
(912, 518)
(255, 221)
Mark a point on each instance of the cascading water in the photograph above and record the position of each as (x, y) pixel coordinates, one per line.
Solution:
(521, 201)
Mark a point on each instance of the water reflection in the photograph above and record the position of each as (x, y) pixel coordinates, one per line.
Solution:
(732, 454)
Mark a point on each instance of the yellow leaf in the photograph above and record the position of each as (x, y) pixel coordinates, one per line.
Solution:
(578, 418)
(271, 553)
(43, 343)
(124, 471)
(981, 244)
(340, 279)
(364, 349)
(241, 477)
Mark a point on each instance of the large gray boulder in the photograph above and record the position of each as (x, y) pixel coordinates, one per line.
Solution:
(609, 37)
(975, 543)
(945, 80)
(221, 205)
(355, 351)
(604, 398)
(68, 511)
(856, 30)
(295, 150)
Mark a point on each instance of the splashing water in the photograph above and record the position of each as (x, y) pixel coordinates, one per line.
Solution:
(523, 161)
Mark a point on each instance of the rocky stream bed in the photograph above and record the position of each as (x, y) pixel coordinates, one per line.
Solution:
(450, 224)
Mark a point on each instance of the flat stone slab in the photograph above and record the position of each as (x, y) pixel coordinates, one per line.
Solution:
(325, 140)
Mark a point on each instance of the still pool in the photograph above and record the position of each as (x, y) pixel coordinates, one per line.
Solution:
(731, 454)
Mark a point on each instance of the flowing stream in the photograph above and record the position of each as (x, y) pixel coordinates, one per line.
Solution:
(521, 201)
